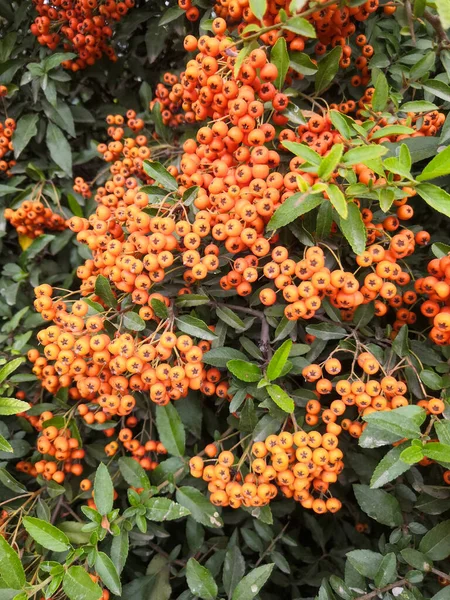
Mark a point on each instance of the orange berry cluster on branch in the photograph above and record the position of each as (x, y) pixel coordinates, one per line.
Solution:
(437, 307)
(300, 465)
(32, 219)
(80, 26)
(6, 146)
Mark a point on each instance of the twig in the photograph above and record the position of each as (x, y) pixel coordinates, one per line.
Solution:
(370, 595)
(440, 574)
(271, 545)
(57, 509)
(436, 24)
(409, 18)
(264, 344)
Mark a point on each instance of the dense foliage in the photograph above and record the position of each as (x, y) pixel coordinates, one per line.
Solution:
(225, 299)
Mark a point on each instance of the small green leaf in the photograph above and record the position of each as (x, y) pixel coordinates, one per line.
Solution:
(245, 371)
(104, 292)
(170, 429)
(133, 473)
(387, 571)
(326, 331)
(159, 308)
(303, 151)
(251, 584)
(218, 357)
(278, 360)
(330, 162)
(389, 468)
(280, 58)
(436, 543)
(437, 451)
(418, 106)
(381, 93)
(190, 195)
(26, 128)
(302, 63)
(362, 154)
(328, 68)
(77, 585)
(11, 406)
(338, 200)
(103, 490)
(59, 148)
(195, 327)
(199, 506)
(47, 535)
(416, 559)
(300, 26)
(156, 171)
(11, 569)
(133, 321)
(412, 455)
(391, 130)
(163, 509)
(438, 166)
(365, 562)
(258, 8)
(379, 505)
(200, 580)
(108, 573)
(281, 398)
(292, 208)
(396, 422)
(353, 229)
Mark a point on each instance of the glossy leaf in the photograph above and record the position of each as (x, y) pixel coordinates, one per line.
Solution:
(47, 535)
(170, 429)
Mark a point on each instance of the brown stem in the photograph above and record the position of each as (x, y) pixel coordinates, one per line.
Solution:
(409, 18)
(264, 344)
(440, 574)
(370, 595)
(436, 24)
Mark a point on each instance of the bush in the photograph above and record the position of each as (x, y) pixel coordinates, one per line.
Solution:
(237, 330)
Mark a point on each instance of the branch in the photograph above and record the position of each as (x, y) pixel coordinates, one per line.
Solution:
(370, 595)
(440, 574)
(436, 24)
(264, 344)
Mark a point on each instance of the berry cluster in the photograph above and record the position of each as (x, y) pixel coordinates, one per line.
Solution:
(84, 27)
(301, 465)
(6, 145)
(32, 219)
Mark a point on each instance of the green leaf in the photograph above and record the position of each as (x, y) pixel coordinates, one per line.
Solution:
(218, 357)
(397, 422)
(171, 14)
(251, 584)
(281, 398)
(436, 543)
(47, 535)
(5, 446)
(431, 379)
(342, 124)
(26, 129)
(278, 360)
(59, 148)
(11, 406)
(108, 573)
(280, 58)
(423, 66)
(418, 106)
(133, 321)
(326, 331)
(54, 60)
(330, 162)
(362, 154)
(200, 580)
(229, 317)
(443, 11)
(365, 562)
(77, 585)
(387, 571)
(190, 195)
(353, 229)
(338, 200)
(10, 367)
(412, 455)
(381, 93)
(163, 509)
(119, 550)
(292, 208)
(189, 300)
(328, 68)
(300, 26)
(103, 490)
(400, 345)
(303, 151)
(156, 171)
(104, 292)
(440, 250)
(35, 248)
(442, 429)
(416, 559)
(11, 569)
(195, 327)
(233, 569)
(391, 130)
(437, 451)
(199, 506)
(133, 473)
(390, 467)
(438, 166)
(302, 63)
(245, 371)
(379, 505)
(170, 429)
(258, 8)
(159, 308)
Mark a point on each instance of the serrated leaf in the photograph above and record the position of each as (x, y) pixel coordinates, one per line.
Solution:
(26, 129)
(200, 580)
(281, 398)
(328, 68)
(251, 584)
(156, 171)
(338, 200)
(397, 422)
(379, 505)
(103, 290)
(353, 229)
(200, 507)
(330, 162)
(278, 360)
(11, 406)
(133, 473)
(390, 467)
(233, 569)
(133, 321)
(103, 490)
(195, 327)
(47, 535)
(108, 573)
(436, 543)
(163, 509)
(292, 208)
(438, 166)
(77, 585)
(11, 569)
(244, 370)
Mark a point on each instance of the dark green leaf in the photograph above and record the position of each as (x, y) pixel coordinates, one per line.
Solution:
(108, 573)
(278, 360)
(104, 292)
(390, 467)
(77, 585)
(26, 129)
(200, 580)
(103, 490)
(11, 570)
(245, 371)
(59, 148)
(436, 543)
(379, 505)
(199, 506)
(195, 327)
(170, 429)
(133, 473)
(280, 58)
(218, 357)
(47, 535)
(353, 229)
(156, 171)
(295, 206)
(251, 584)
